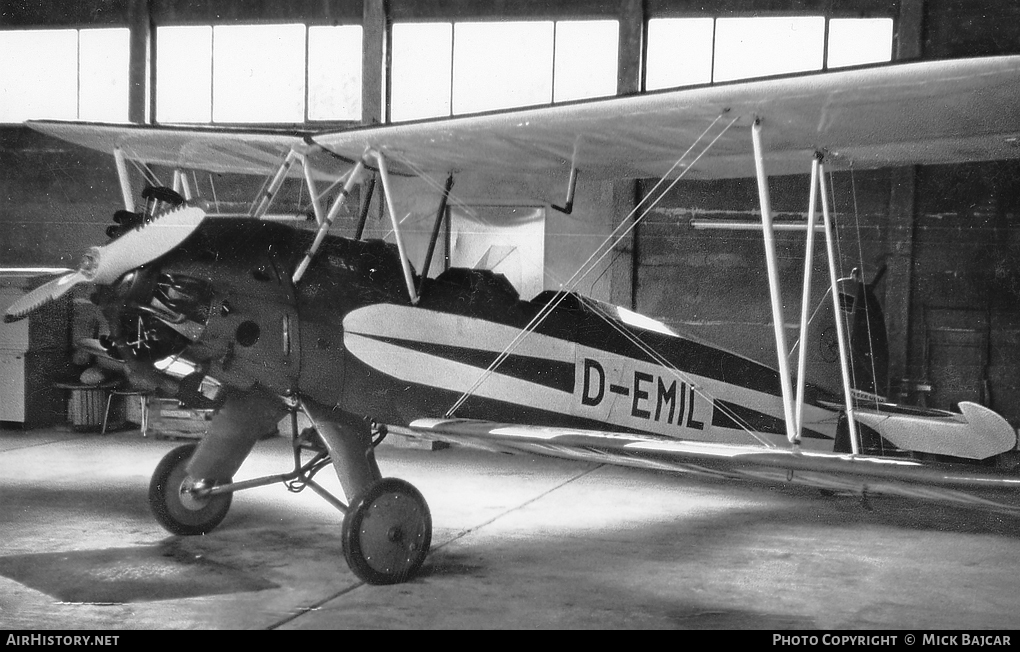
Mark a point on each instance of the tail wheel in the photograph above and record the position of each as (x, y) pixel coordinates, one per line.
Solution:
(387, 532)
(174, 505)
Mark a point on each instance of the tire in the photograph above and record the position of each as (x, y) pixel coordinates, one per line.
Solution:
(387, 532)
(174, 508)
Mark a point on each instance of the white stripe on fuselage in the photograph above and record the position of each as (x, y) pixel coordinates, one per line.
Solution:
(432, 327)
(442, 373)
(363, 328)
(610, 388)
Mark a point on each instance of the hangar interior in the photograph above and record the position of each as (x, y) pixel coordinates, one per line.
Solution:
(940, 242)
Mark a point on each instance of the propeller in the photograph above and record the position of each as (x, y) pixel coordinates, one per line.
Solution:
(104, 265)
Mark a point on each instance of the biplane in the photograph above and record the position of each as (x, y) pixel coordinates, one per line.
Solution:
(345, 331)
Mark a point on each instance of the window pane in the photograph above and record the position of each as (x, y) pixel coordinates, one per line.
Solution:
(420, 70)
(184, 74)
(39, 74)
(855, 41)
(334, 73)
(756, 47)
(586, 59)
(679, 52)
(259, 73)
(502, 65)
(103, 74)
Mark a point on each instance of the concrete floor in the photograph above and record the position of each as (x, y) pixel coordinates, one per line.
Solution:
(518, 542)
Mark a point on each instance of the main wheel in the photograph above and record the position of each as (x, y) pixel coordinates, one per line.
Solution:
(172, 501)
(387, 532)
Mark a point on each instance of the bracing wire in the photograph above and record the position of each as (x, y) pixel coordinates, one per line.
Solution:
(546, 310)
(605, 248)
(212, 189)
(601, 311)
(847, 326)
(304, 208)
(860, 259)
(678, 374)
(452, 198)
(145, 171)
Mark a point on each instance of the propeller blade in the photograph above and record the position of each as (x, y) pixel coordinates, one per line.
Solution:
(106, 264)
(142, 245)
(43, 294)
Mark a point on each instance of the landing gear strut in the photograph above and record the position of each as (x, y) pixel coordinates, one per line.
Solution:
(387, 528)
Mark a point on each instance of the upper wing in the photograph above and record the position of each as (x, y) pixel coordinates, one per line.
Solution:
(211, 149)
(915, 113)
(860, 474)
(929, 112)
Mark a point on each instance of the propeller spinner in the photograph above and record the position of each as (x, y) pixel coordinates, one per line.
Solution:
(104, 265)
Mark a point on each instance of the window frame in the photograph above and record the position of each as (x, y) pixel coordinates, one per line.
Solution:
(714, 54)
(450, 80)
(306, 93)
(121, 78)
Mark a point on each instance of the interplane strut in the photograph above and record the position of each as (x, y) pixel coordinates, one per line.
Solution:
(793, 402)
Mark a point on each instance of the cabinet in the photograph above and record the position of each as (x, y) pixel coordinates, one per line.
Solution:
(34, 354)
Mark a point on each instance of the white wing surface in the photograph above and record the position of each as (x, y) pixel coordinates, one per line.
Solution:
(917, 113)
(930, 112)
(863, 475)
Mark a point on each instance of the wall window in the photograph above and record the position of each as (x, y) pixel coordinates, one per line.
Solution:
(501, 65)
(679, 52)
(441, 69)
(184, 74)
(64, 74)
(687, 51)
(295, 73)
(587, 58)
(258, 73)
(334, 72)
(854, 41)
(758, 47)
(420, 73)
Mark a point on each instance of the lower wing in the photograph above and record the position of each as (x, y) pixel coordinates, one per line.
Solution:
(866, 475)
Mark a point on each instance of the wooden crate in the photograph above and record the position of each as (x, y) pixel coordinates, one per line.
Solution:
(170, 420)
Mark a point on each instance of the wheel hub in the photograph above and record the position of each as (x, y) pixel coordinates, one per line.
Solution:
(194, 493)
(391, 531)
(396, 534)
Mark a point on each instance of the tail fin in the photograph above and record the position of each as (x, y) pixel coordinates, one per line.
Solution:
(869, 342)
(866, 333)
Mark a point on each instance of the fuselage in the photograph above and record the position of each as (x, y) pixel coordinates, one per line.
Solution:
(349, 336)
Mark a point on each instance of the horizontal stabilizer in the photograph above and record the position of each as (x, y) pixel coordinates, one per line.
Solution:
(975, 433)
(992, 433)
